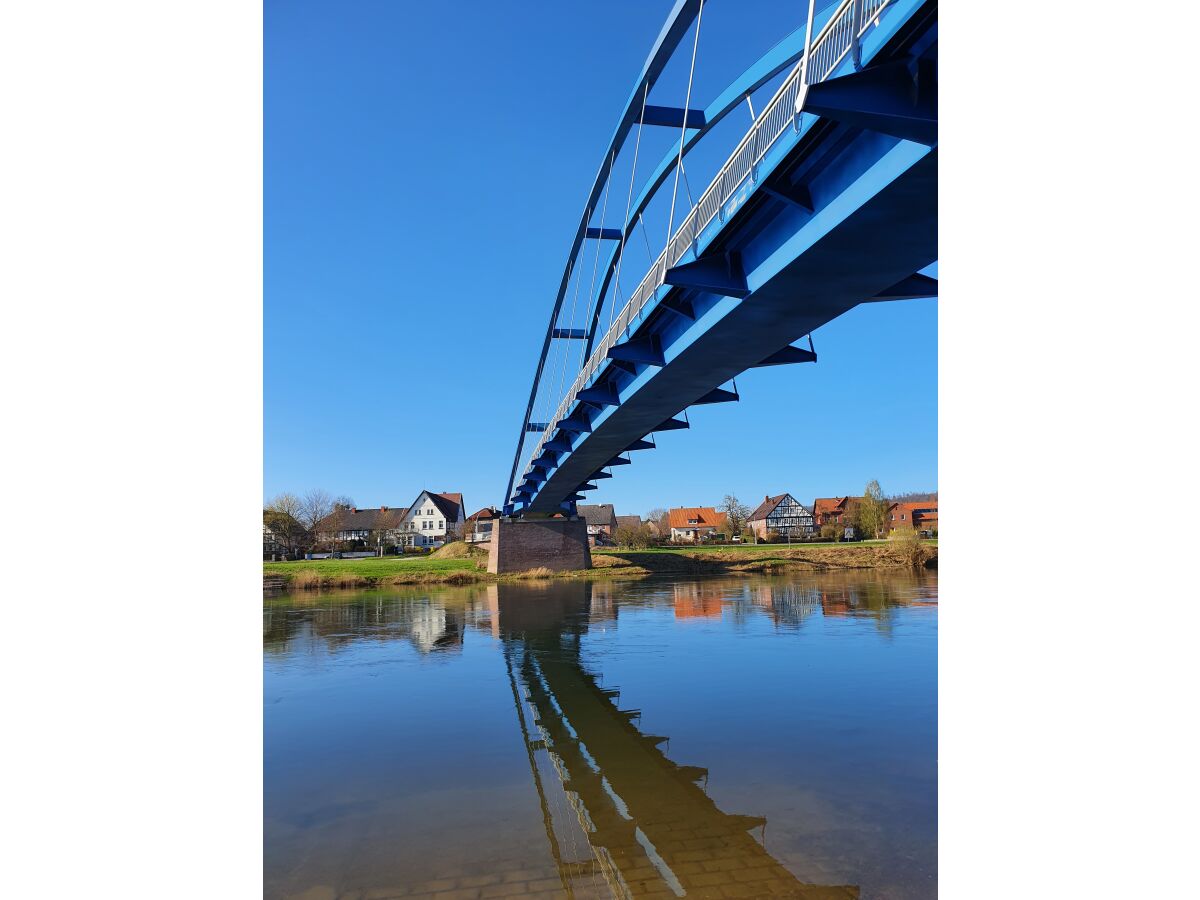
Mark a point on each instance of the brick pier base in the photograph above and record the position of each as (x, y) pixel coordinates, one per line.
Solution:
(518, 545)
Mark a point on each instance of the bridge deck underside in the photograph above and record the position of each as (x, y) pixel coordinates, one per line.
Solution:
(876, 232)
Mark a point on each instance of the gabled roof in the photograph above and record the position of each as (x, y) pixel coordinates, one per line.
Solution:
(831, 504)
(766, 507)
(597, 513)
(707, 517)
(355, 519)
(488, 512)
(447, 504)
(629, 521)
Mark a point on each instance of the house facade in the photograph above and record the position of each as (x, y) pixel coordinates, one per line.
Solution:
(629, 522)
(347, 524)
(920, 515)
(601, 521)
(834, 511)
(479, 525)
(781, 514)
(432, 520)
(691, 524)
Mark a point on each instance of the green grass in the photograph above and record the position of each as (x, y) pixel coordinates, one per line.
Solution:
(371, 566)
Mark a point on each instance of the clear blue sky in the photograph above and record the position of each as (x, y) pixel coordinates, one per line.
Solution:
(425, 166)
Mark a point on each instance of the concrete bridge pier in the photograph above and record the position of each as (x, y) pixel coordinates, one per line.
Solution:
(518, 545)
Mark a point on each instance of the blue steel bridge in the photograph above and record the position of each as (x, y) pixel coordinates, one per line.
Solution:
(828, 200)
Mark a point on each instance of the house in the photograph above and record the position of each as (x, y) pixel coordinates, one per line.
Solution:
(629, 522)
(690, 524)
(781, 514)
(921, 515)
(349, 523)
(601, 521)
(433, 519)
(479, 525)
(834, 511)
(281, 532)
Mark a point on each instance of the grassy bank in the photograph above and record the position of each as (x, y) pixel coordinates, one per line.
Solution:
(450, 566)
(371, 571)
(749, 558)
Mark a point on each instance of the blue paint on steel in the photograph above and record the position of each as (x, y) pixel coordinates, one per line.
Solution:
(570, 334)
(678, 22)
(911, 288)
(673, 117)
(789, 355)
(604, 234)
(874, 224)
(777, 59)
(645, 350)
(718, 273)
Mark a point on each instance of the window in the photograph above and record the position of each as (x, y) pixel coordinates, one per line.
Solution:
(441, 525)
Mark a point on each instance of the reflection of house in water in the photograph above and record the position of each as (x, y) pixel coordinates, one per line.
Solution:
(621, 818)
(430, 625)
(865, 597)
(697, 601)
(786, 604)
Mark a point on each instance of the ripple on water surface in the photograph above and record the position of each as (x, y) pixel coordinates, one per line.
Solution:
(755, 736)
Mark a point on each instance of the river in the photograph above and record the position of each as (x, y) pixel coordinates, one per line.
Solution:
(713, 737)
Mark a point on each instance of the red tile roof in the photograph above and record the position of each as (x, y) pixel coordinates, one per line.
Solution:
(707, 517)
(823, 505)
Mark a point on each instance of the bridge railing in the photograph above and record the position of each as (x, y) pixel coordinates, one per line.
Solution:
(838, 38)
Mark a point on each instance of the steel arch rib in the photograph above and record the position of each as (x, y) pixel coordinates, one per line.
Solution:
(776, 60)
(678, 21)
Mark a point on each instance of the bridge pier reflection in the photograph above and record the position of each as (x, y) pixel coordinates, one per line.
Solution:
(651, 830)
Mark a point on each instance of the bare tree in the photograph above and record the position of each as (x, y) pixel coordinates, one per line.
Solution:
(736, 513)
(315, 506)
(386, 522)
(660, 519)
(282, 516)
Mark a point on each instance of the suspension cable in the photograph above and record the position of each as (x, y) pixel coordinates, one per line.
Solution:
(596, 261)
(683, 128)
(567, 345)
(629, 200)
(646, 238)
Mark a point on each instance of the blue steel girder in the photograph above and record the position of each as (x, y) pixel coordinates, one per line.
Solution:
(873, 225)
(774, 61)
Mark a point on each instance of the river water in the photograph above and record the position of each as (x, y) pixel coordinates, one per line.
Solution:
(715, 737)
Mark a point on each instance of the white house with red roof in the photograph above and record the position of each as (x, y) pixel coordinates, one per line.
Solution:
(431, 518)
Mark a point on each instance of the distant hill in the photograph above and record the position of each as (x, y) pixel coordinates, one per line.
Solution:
(913, 497)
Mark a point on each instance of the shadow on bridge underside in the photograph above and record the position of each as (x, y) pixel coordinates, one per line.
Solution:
(651, 829)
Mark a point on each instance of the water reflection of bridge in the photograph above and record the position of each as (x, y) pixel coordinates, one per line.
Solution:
(623, 819)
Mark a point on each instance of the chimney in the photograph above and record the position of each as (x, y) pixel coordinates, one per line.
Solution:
(383, 509)
(354, 509)
(766, 497)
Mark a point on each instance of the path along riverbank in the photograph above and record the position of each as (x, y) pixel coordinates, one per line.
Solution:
(456, 564)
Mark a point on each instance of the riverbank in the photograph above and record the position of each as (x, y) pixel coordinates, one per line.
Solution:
(747, 559)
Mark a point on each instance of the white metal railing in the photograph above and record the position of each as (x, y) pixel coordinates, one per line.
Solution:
(839, 37)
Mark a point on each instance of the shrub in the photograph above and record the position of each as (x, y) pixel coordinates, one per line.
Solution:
(908, 544)
(306, 579)
(831, 532)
